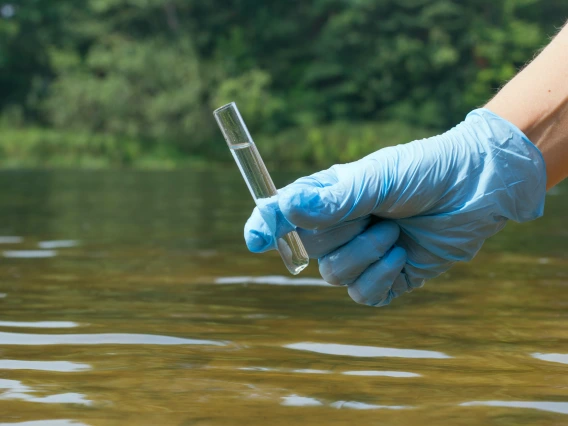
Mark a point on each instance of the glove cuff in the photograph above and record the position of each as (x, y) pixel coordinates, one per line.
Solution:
(516, 161)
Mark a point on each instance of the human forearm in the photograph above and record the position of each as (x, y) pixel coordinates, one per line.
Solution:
(536, 101)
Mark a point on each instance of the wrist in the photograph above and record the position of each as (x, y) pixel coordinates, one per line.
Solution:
(513, 161)
(536, 101)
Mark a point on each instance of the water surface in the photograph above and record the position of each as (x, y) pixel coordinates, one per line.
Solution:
(128, 298)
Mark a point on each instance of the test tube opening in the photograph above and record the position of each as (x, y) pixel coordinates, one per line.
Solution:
(232, 125)
(224, 107)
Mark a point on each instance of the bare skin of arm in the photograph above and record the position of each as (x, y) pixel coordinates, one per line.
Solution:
(536, 101)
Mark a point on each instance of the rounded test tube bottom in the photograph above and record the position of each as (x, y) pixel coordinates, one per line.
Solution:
(293, 252)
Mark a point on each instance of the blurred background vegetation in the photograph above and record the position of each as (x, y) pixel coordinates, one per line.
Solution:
(97, 83)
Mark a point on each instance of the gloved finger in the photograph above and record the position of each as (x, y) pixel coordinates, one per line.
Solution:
(402, 284)
(311, 207)
(374, 286)
(421, 263)
(356, 191)
(319, 179)
(320, 243)
(259, 237)
(308, 202)
(344, 265)
(266, 223)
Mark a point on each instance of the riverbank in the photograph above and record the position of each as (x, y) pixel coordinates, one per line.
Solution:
(36, 147)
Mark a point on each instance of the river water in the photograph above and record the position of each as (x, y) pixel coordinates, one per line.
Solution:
(128, 298)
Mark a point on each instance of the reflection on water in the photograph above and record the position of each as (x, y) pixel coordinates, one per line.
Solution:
(256, 369)
(401, 374)
(561, 358)
(98, 339)
(14, 389)
(284, 370)
(397, 374)
(10, 240)
(362, 406)
(300, 401)
(62, 398)
(29, 254)
(139, 304)
(61, 422)
(272, 280)
(364, 351)
(39, 324)
(62, 366)
(553, 407)
(57, 244)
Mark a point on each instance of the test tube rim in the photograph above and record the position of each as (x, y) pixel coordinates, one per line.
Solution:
(232, 142)
(229, 105)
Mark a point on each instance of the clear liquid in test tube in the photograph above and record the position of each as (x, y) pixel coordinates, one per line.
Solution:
(258, 180)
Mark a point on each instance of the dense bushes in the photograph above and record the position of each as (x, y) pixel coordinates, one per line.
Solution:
(121, 82)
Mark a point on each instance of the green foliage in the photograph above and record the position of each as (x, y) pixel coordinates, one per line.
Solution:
(317, 82)
(145, 91)
(250, 91)
(298, 147)
(36, 147)
(341, 142)
(40, 147)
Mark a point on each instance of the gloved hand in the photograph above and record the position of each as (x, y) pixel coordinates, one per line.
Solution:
(388, 222)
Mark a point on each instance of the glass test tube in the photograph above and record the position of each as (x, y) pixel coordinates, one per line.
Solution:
(258, 180)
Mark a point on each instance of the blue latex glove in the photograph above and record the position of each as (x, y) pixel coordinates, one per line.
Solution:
(388, 222)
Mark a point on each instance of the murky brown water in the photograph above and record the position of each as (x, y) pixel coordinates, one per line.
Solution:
(128, 298)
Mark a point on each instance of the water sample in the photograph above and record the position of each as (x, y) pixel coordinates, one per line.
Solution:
(258, 180)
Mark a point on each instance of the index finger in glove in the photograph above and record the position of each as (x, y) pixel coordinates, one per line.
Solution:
(351, 191)
(259, 238)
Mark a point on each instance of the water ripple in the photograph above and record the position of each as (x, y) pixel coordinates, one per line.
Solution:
(29, 254)
(61, 366)
(257, 369)
(399, 374)
(99, 339)
(362, 406)
(561, 358)
(365, 351)
(16, 390)
(39, 324)
(10, 240)
(300, 401)
(553, 407)
(57, 244)
(62, 422)
(303, 401)
(273, 280)
(286, 370)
